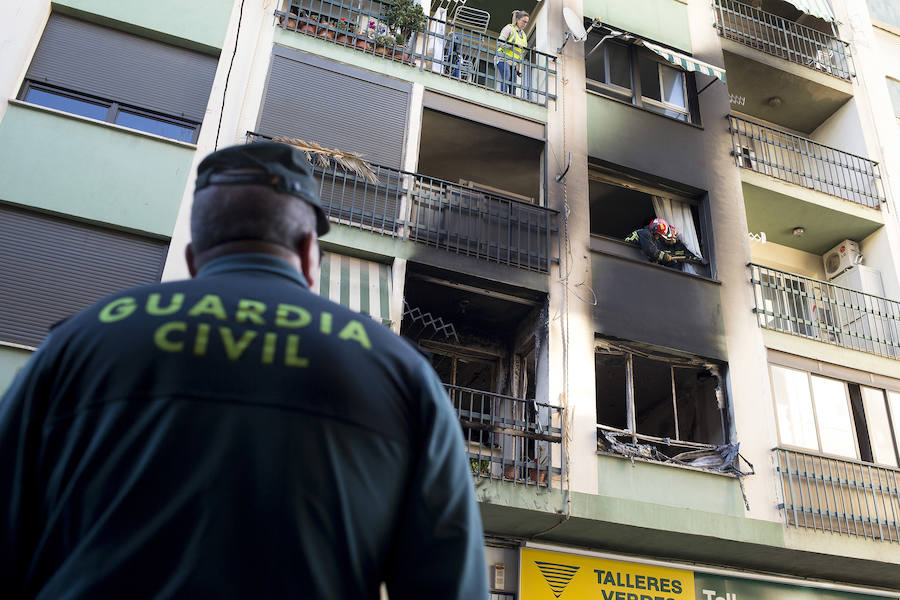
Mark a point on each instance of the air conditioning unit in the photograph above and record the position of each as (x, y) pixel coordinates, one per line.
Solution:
(841, 257)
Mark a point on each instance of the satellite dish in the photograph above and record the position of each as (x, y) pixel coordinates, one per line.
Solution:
(575, 25)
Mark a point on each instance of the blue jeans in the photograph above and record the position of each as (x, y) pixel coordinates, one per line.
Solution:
(507, 75)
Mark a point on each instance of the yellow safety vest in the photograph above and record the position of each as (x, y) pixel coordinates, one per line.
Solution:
(519, 41)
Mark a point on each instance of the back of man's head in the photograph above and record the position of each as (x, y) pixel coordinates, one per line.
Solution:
(260, 192)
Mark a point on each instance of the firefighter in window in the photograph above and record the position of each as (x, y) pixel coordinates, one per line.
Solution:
(659, 242)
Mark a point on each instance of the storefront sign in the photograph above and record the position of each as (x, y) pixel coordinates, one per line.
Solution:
(558, 576)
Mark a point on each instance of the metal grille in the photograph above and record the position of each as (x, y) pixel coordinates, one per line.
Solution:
(802, 161)
(825, 312)
(510, 438)
(439, 213)
(447, 49)
(838, 495)
(783, 38)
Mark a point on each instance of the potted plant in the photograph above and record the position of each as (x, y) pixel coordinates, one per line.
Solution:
(344, 31)
(406, 16)
(326, 28)
(293, 15)
(366, 33)
(309, 23)
(385, 43)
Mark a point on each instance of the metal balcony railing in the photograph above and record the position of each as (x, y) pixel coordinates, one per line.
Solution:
(783, 38)
(825, 312)
(438, 213)
(443, 48)
(802, 161)
(839, 495)
(510, 438)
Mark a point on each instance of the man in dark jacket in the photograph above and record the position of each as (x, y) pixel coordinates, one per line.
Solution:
(660, 244)
(235, 435)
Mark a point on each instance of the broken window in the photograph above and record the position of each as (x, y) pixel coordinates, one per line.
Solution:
(657, 405)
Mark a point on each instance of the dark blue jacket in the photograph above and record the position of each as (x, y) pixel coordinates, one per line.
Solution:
(233, 436)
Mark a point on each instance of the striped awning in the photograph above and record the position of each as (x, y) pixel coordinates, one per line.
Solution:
(816, 8)
(361, 285)
(682, 60)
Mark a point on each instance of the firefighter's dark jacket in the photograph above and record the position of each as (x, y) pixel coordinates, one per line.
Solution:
(670, 255)
(233, 436)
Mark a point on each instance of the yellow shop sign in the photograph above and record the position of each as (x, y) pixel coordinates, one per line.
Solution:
(557, 576)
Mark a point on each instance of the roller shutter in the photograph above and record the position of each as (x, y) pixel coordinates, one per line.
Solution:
(123, 67)
(52, 268)
(337, 106)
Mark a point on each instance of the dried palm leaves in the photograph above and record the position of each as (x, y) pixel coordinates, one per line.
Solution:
(318, 155)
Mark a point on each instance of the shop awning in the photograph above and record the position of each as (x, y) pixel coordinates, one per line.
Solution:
(816, 8)
(682, 60)
(361, 285)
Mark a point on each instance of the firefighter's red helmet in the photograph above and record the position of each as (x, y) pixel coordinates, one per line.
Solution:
(661, 228)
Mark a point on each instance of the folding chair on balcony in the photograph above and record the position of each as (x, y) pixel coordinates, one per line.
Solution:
(466, 44)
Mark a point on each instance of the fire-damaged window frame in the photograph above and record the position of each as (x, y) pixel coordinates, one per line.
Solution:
(630, 443)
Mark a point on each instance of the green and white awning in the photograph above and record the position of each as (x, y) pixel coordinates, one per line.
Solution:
(361, 285)
(682, 60)
(816, 8)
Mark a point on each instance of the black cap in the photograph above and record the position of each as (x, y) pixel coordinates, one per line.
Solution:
(282, 167)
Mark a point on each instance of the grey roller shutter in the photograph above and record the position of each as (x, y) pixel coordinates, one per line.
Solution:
(336, 106)
(122, 67)
(51, 268)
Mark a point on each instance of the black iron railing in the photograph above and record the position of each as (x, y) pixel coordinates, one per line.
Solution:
(444, 48)
(783, 38)
(510, 438)
(839, 495)
(801, 161)
(825, 312)
(439, 213)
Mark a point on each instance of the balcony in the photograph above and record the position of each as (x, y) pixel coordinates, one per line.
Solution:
(455, 218)
(777, 36)
(839, 495)
(510, 438)
(826, 312)
(446, 49)
(803, 162)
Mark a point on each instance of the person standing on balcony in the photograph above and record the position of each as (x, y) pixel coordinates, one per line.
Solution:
(660, 244)
(511, 47)
(235, 434)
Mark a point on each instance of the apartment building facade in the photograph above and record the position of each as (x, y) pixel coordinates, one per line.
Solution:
(729, 429)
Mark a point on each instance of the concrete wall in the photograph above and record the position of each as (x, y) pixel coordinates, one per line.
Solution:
(91, 170)
(788, 259)
(664, 21)
(843, 131)
(12, 359)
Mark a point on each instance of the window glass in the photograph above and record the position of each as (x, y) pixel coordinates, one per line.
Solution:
(619, 65)
(654, 412)
(879, 427)
(649, 70)
(833, 413)
(894, 404)
(793, 405)
(610, 382)
(595, 65)
(155, 126)
(672, 86)
(69, 104)
(894, 88)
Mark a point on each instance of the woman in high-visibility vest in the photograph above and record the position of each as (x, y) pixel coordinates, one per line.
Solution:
(510, 49)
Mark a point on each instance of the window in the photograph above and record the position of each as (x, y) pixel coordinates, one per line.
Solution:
(118, 77)
(617, 211)
(111, 112)
(830, 416)
(640, 77)
(666, 402)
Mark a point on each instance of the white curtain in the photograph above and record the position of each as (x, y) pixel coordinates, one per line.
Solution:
(434, 46)
(678, 214)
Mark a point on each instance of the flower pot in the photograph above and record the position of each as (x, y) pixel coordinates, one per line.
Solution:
(308, 28)
(342, 38)
(363, 44)
(381, 50)
(324, 31)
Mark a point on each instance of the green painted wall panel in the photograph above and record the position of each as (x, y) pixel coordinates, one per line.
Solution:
(11, 360)
(201, 23)
(430, 80)
(671, 486)
(663, 21)
(90, 170)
